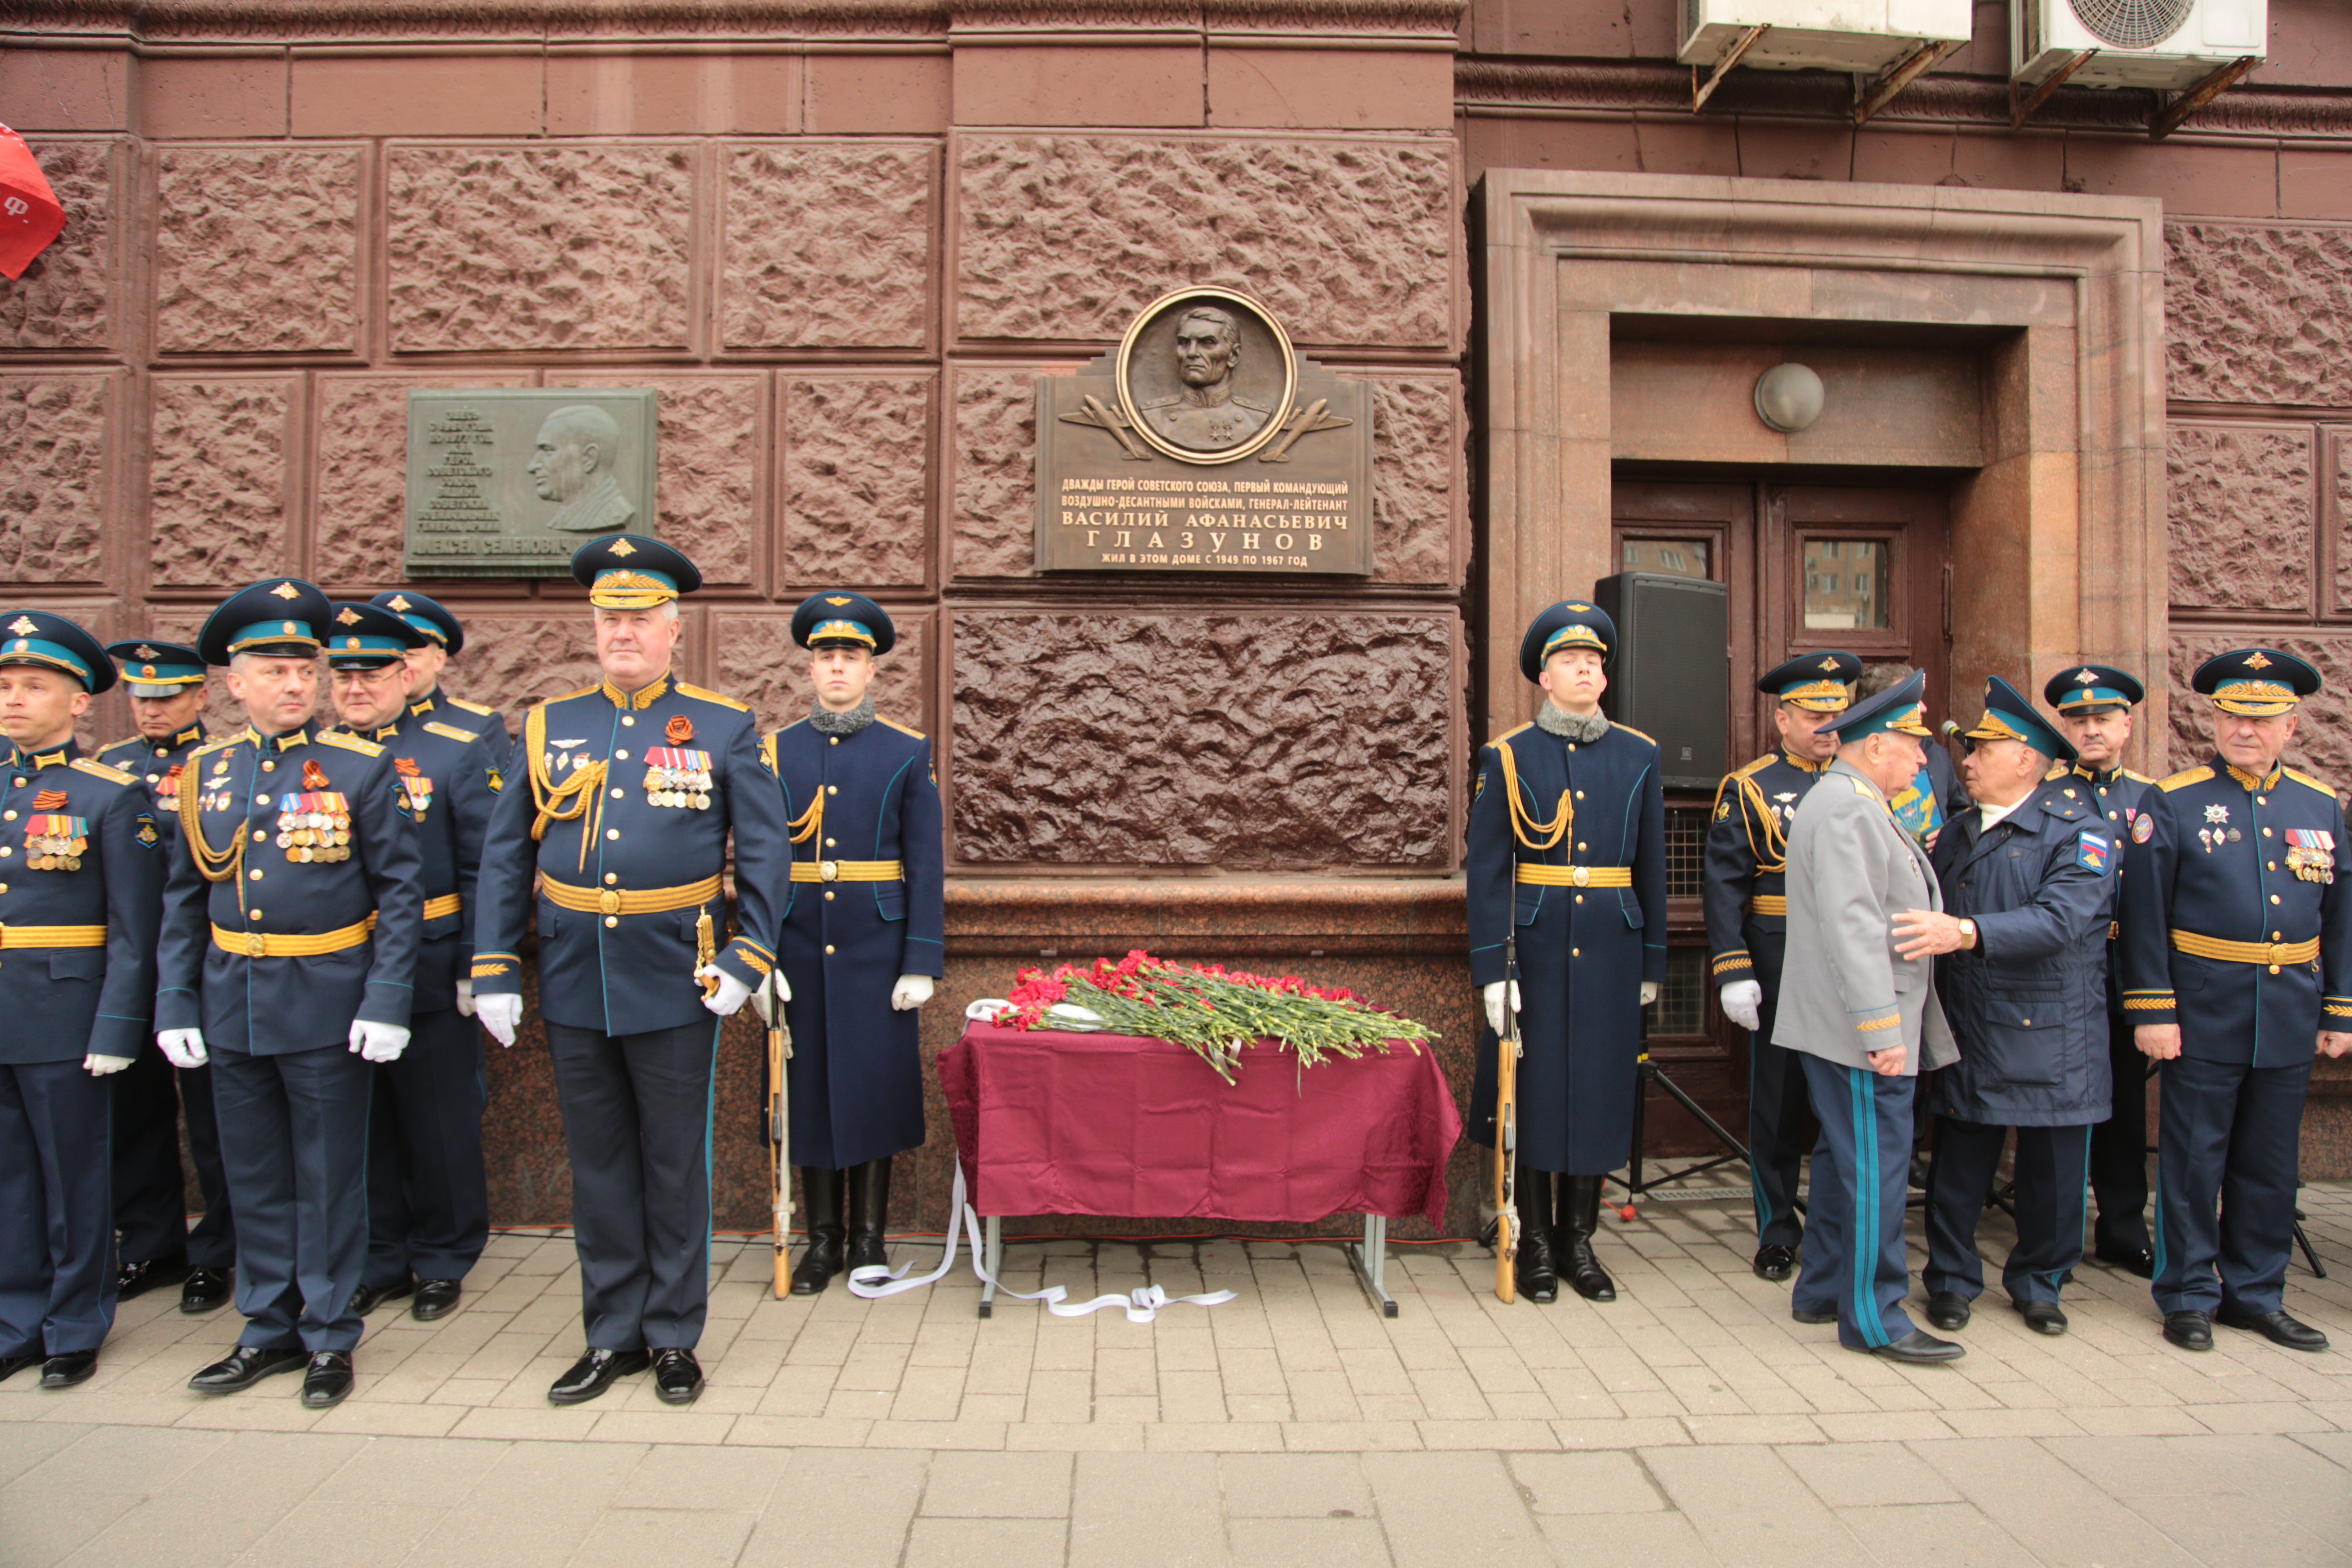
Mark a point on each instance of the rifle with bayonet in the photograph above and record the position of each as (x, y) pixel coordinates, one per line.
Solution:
(1506, 1114)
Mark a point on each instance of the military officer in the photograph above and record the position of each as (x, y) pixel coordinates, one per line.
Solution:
(2028, 893)
(2237, 960)
(428, 1198)
(1567, 841)
(82, 872)
(166, 683)
(290, 928)
(621, 800)
(2094, 703)
(445, 639)
(1747, 923)
(862, 939)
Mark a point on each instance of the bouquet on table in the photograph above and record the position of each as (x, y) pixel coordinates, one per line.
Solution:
(1211, 1010)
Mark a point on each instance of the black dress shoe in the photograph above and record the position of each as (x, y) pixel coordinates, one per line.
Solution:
(1580, 1221)
(10, 1365)
(2275, 1327)
(435, 1299)
(2191, 1330)
(1775, 1262)
(2136, 1260)
(328, 1379)
(593, 1374)
(678, 1376)
(138, 1278)
(2042, 1317)
(206, 1291)
(65, 1371)
(824, 1195)
(1801, 1316)
(1949, 1309)
(1534, 1270)
(1919, 1346)
(243, 1367)
(368, 1297)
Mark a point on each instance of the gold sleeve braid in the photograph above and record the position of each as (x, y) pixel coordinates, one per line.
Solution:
(1532, 832)
(581, 796)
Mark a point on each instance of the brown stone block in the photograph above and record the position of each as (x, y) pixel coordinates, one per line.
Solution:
(256, 249)
(65, 90)
(1692, 402)
(1342, 90)
(1614, 145)
(359, 478)
(1588, 29)
(1776, 150)
(2337, 513)
(2217, 181)
(1685, 145)
(828, 245)
(435, 94)
(1904, 408)
(2314, 184)
(855, 452)
(217, 480)
(516, 659)
(56, 450)
(669, 95)
(1201, 740)
(755, 660)
(712, 478)
(1419, 513)
(892, 94)
(1922, 156)
(185, 97)
(1641, 288)
(2258, 313)
(1063, 237)
(2242, 519)
(1871, 294)
(993, 525)
(64, 298)
(538, 248)
(1078, 84)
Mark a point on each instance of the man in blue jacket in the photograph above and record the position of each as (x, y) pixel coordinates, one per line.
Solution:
(2028, 878)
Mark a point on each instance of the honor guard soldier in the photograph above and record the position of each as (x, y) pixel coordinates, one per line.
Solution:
(2094, 703)
(2237, 959)
(166, 683)
(444, 639)
(2028, 879)
(290, 928)
(621, 800)
(428, 1198)
(1566, 842)
(81, 876)
(1748, 923)
(862, 939)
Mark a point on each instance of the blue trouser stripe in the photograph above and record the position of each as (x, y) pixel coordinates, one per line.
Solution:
(1866, 1316)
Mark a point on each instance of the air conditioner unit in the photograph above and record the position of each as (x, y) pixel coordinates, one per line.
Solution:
(2134, 43)
(1866, 36)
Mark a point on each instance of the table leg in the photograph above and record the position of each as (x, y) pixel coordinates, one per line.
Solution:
(1371, 1260)
(992, 1257)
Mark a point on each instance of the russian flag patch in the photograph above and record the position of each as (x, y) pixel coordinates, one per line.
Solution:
(2090, 852)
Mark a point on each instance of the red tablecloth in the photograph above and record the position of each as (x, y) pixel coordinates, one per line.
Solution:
(1112, 1124)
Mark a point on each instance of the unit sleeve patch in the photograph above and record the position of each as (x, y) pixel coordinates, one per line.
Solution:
(2093, 853)
(2143, 828)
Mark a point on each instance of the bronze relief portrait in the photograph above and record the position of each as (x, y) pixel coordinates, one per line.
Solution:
(1206, 375)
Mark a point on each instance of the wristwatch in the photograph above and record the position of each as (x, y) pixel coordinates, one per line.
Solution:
(1967, 933)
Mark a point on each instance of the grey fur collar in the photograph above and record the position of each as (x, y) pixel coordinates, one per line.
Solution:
(849, 723)
(1557, 721)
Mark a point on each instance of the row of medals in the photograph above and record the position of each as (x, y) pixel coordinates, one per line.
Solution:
(677, 786)
(49, 852)
(315, 836)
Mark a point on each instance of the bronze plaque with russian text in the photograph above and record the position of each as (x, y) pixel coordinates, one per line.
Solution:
(510, 482)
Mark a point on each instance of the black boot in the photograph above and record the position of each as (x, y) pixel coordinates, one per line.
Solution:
(1579, 1201)
(1537, 1273)
(869, 1208)
(821, 1202)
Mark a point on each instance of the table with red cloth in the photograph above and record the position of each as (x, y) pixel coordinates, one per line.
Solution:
(1053, 1122)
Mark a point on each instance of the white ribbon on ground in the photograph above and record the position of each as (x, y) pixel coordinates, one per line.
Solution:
(1068, 1017)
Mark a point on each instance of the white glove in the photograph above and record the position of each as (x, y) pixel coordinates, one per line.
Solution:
(763, 999)
(502, 1013)
(183, 1047)
(1743, 1003)
(912, 991)
(730, 996)
(99, 1067)
(465, 996)
(378, 1042)
(1492, 995)
(1649, 992)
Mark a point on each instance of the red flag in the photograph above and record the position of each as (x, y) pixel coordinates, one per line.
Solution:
(29, 214)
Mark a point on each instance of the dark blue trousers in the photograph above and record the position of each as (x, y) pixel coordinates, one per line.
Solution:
(428, 1198)
(1776, 1124)
(56, 1209)
(151, 1203)
(2119, 1146)
(294, 1135)
(1855, 1262)
(2053, 1171)
(637, 1124)
(2229, 1131)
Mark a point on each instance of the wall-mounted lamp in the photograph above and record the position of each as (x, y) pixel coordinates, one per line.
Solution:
(1789, 397)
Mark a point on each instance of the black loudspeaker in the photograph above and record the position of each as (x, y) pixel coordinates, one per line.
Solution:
(1672, 680)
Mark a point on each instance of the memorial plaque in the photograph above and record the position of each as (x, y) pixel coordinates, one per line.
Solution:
(1204, 444)
(509, 482)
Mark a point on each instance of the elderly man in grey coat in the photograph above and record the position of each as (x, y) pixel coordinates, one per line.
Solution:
(1866, 1020)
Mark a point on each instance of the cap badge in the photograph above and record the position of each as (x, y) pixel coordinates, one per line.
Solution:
(1829, 664)
(143, 651)
(2086, 679)
(351, 642)
(290, 628)
(399, 602)
(1580, 609)
(23, 626)
(287, 591)
(148, 670)
(622, 547)
(349, 617)
(2256, 661)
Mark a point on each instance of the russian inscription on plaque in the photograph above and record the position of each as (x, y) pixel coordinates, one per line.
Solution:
(509, 481)
(1204, 444)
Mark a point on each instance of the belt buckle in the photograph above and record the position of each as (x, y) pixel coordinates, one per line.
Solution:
(256, 945)
(608, 902)
(2278, 953)
(828, 872)
(1581, 876)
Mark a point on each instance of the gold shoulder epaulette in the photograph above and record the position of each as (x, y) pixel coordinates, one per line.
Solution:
(209, 747)
(469, 707)
(1632, 732)
(2184, 778)
(350, 742)
(768, 750)
(2137, 778)
(1862, 789)
(126, 740)
(1758, 765)
(900, 728)
(686, 691)
(107, 771)
(452, 731)
(2299, 777)
(2058, 771)
(1513, 730)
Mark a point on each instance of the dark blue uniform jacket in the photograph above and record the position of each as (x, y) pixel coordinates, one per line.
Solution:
(1746, 860)
(448, 793)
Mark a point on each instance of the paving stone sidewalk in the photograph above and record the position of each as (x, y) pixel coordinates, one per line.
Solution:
(1689, 1422)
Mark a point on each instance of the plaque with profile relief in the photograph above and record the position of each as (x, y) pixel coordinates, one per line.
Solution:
(510, 481)
(1205, 443)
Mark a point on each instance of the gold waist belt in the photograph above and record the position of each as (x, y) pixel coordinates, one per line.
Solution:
(52, 936)
(632, 902)
(2273, 953)
(1769, 904)
(254, 945)
(1544, 876)
(849, 871)
(447, 904)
